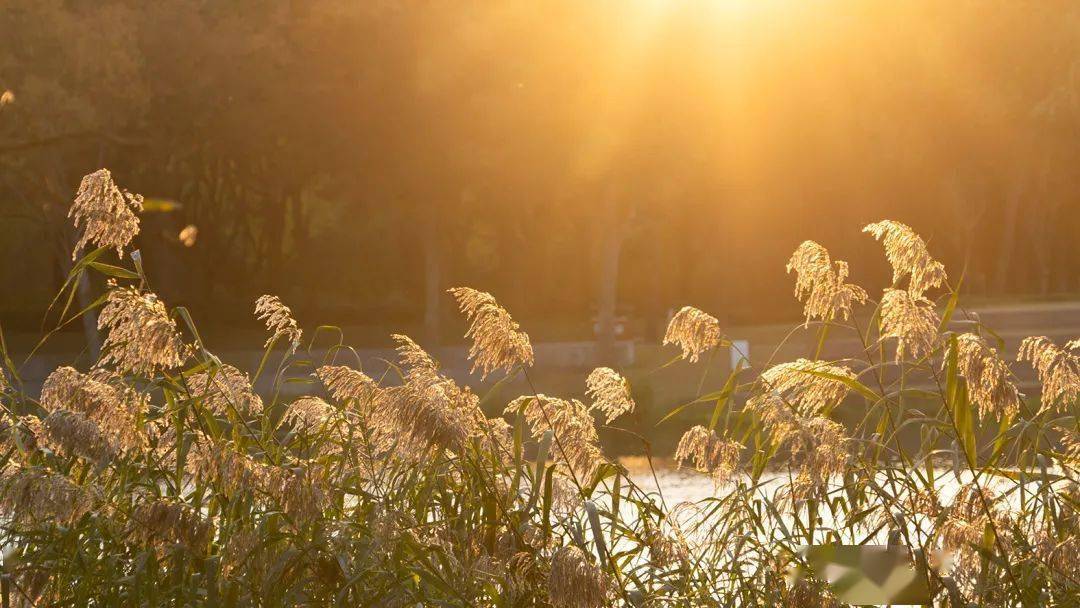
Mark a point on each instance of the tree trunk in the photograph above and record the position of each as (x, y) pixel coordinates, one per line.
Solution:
(274, 245)
(608, 287)
(89, 317)
(433, 292)
(1008, 238)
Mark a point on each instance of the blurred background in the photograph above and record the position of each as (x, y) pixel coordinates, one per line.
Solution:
(594, 165)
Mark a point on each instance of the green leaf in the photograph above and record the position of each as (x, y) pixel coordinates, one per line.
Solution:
(113, 271)
(725, 397)
(957, 397)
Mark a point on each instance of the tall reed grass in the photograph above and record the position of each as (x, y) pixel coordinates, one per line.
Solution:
(159, 476)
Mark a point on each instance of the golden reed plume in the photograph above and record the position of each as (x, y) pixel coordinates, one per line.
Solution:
(575, 582)
(68, 432)
(907, 253)
(989, 380)
(429, 409)
(118, 411)
(30, 495)
(573, 427)
(1058, 369)
(345, 383)
(820, 282)
(309, 413)
(107, 214)
(709, 453)
(498, 342)
(225, 389)
(910, 319)
(140, 335)
(693, 331)
(279, 320)
(610, 393)
(164, 522)
(810, 387)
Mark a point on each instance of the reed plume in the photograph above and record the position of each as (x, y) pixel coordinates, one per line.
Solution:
(220, 463)
(71, 432)
(296, 489)
(817, 446)
(163, 522)
(279, 320)
(809, 386)
(309, 413)
(610, 393)
(820, 282)
(107, 214)
(576, 440)
(1058, 369)
(911, 320)
(988, 377)
(693, 331)
(666, 547)
(345, 383)
(575, 582)
(117, 410)
(1070, 442)
(429, 409)
(33, 496)
(709, 453)
(498, 342)
(140, 335)
(225, 389)
(908, 255)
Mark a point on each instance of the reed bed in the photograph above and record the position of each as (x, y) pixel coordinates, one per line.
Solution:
(158, 476)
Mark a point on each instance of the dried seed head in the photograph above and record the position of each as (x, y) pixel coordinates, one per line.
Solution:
(243, 554)
(498, 343)
(498, 438)
(820, 282)
(817, 446)
(1063, 556)
(810, 593)
(225, 389)
(1070, 443)
(819, 449)
(1058, 369)
(307, 413)
(709, 453)
(141, 338)
(162, 522)
(694, 331)
(988, 377)
(117, 410)
(32, 496)
(811, 387)
(429, 409)
(575, 582)
(345, 383)
(911, 320)
(279, 320)
(907, 253)
(965, 525)
(20, 433)
(221, 464)
(73, 433)
(108, 214)
(576, 443)
(297, 490)
(666, 547)
(610, 393)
